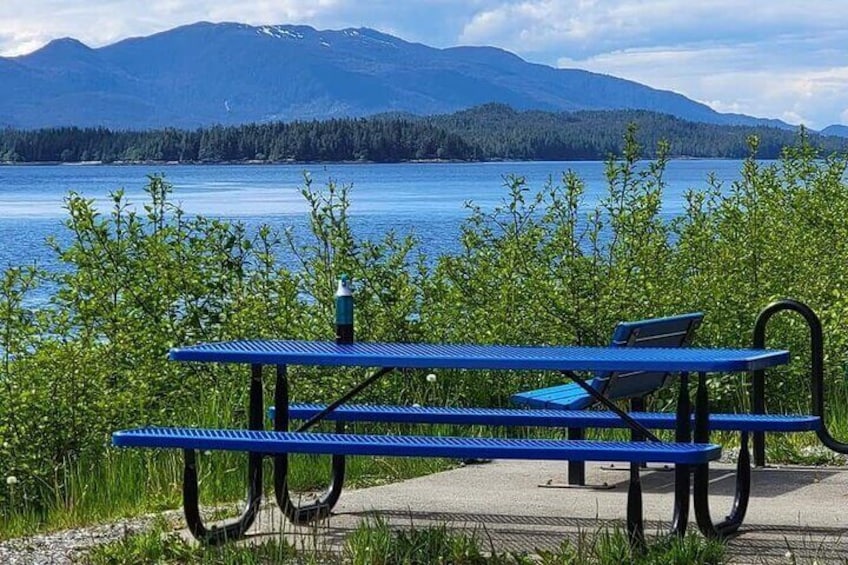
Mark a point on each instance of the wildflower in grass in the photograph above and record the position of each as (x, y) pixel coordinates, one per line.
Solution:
(431, 378)
(11, 480)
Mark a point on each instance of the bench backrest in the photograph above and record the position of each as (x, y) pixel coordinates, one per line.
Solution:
(673, 331)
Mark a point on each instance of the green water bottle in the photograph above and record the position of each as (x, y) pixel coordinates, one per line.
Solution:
(344, 311)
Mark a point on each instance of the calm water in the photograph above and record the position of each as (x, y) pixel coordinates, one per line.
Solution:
(427, 199)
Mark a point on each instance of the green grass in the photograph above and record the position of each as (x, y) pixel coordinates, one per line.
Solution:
(155, 546)
(133, 482)
(375, 542)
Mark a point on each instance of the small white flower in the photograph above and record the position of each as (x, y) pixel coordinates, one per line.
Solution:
(207, 452)
(416, 405)
(788, 555)
(431, 378)
(5, 445)
(11, 480)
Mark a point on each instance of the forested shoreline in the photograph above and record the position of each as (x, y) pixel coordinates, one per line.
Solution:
(486, 133)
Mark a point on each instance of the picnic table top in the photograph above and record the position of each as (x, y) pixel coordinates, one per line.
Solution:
(504, 357)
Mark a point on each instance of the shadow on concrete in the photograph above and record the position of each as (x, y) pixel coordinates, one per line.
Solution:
(769, 482)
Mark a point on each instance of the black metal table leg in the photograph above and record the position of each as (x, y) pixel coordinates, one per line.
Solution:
(680, 519)
(635, 524)
(320, 508)
(702, 474)
(235, 529)
(682, 434)
(576, 469)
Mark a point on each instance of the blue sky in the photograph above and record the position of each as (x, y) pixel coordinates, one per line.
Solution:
(776, 59)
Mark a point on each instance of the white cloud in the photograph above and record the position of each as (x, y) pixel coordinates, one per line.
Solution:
(589, 27)
(744, 78)
(28, 24)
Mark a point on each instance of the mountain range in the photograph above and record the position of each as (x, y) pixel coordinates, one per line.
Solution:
(229, 73)
(836, 130)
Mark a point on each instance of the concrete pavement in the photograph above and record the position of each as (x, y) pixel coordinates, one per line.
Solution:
(802, 510)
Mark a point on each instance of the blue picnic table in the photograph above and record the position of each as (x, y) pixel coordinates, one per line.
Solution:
(386, 357)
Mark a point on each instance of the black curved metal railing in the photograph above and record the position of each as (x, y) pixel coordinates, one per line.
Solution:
(816, 374)
(743, 471)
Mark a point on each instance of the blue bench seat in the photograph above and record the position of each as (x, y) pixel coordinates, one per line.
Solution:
(567, 397)
(267, 442)
(547, 418)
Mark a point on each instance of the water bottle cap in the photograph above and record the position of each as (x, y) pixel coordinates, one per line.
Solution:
(344, 286)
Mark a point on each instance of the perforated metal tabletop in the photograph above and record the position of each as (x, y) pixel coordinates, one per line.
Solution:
(505, 357)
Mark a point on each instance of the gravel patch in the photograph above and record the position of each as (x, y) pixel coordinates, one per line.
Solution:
(68, 546)
(824, 454)
(65, 547)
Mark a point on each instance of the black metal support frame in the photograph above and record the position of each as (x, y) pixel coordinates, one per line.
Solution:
(743, 470)
(235, 529)
(682, 434)
(702, 474)
(638, 432)
(323, 505)
(344, 398)
(635, 521)
(816, 374)
(576, 469)
(680, 518)
(297, 514)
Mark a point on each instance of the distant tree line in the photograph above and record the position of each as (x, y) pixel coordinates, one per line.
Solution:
(496, 131)
(331, 140)
(489, 132)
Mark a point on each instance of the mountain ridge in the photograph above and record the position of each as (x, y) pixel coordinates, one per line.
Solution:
(231, 73)
(837, 130)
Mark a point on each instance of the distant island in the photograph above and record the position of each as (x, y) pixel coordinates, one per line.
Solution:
(485, 133)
